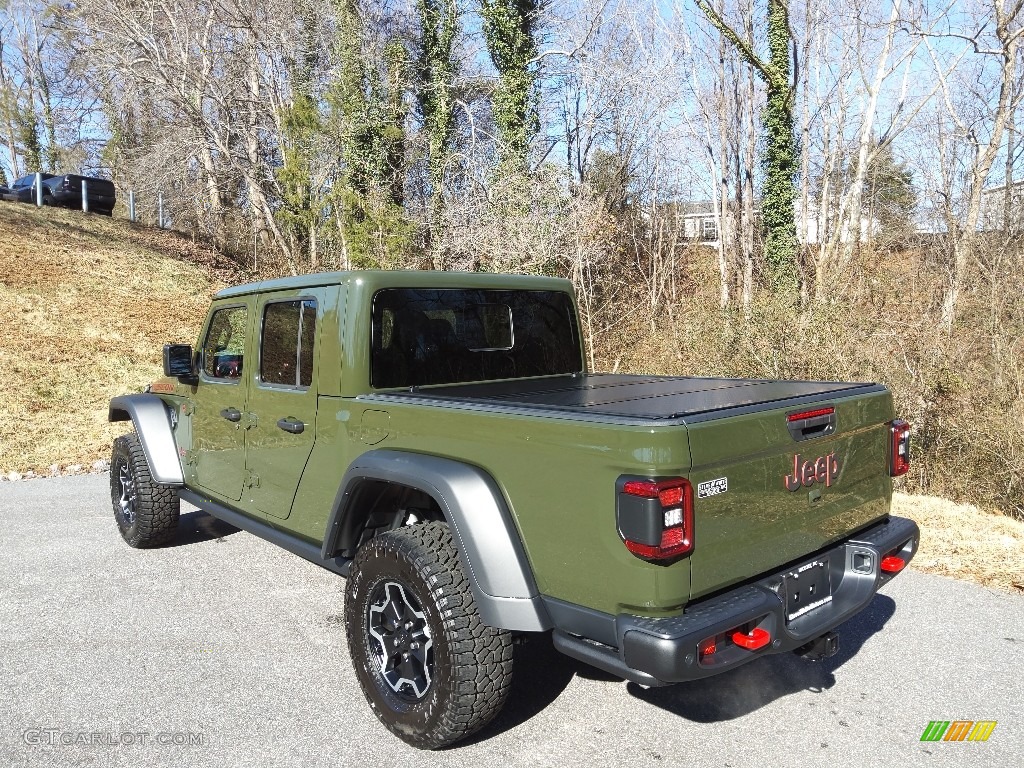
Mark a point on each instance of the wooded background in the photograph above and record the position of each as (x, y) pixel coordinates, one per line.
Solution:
(861, 162)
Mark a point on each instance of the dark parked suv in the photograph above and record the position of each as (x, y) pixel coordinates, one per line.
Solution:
(23, 190)
(66, 191)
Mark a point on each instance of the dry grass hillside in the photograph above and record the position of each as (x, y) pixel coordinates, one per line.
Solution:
(86, 304)
(965, 542)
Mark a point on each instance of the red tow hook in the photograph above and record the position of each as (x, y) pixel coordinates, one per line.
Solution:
(758, 638)
(892, 564)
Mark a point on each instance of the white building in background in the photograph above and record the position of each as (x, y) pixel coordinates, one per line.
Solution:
(699, 221)
(700, 224)
(992, 217)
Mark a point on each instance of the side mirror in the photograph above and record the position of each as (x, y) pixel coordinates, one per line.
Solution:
(178, 362)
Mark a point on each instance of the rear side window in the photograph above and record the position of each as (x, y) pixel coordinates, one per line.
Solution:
(445, 336)
(286, 345)
(95, 185)
(224, 346)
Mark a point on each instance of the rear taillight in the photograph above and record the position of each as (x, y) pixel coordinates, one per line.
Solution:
(655, 517)
(707, 648)
(899, 448)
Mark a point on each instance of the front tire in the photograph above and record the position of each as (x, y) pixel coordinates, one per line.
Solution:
(146, 512)
(431, 670)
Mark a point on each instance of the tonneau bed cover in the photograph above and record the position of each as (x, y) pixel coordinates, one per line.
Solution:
(624, 396)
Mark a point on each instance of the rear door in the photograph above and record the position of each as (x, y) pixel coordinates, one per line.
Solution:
(23, 188)
(282, 398)
(218, 422)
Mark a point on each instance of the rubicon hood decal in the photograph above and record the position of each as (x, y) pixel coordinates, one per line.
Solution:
(824, 469)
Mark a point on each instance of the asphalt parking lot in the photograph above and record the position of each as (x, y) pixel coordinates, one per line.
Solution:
(225, 651)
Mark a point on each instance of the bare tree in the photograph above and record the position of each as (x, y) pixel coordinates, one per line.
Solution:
(979, 114)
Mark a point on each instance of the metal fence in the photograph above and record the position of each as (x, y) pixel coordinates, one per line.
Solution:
(132, 213)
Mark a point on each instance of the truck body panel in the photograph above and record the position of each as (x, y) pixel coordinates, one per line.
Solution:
(634, 425)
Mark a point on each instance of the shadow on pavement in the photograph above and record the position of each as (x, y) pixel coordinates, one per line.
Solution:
(750, 687)
(197, 526)
(541, 674)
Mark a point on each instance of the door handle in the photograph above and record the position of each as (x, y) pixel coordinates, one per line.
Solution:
(232, 414)
(288, 424)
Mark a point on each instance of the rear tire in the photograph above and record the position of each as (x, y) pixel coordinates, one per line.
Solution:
(431, 670)
(146, 512)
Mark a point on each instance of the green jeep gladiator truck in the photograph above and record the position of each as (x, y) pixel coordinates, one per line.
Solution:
(435, 438)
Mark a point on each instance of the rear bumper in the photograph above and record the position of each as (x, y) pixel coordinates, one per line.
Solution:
(663, 651)
(73, 199)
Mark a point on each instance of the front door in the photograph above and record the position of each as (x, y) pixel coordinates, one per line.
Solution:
(219, 421)
(282, 399)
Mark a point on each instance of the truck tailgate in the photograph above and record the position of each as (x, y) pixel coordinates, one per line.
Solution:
(768, 491)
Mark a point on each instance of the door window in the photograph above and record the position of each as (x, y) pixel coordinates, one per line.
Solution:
(286, 346)
(224, 346)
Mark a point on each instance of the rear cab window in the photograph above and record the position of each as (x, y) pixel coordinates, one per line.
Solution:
(446, 336)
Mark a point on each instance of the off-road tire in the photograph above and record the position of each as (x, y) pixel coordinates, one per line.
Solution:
(469, 663)
(146, 512)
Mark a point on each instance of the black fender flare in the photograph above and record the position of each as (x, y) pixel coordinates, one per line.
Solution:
(481, 523)
(152, 422)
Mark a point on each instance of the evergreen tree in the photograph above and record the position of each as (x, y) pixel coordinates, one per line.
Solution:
(889, 193)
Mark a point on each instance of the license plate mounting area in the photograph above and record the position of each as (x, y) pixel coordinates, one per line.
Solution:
(807, 588)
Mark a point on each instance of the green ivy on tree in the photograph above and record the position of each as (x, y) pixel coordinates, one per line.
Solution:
(368, 110)
(436, 69)
(303, 207)
(301, 210)
(780, 154)
(510, 29)
(30, 146)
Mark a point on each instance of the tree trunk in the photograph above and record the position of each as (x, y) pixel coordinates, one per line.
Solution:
(851, 208)
(46, 102)
(985, 155)
(721, 203)
(748, 223)
(780, 168)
